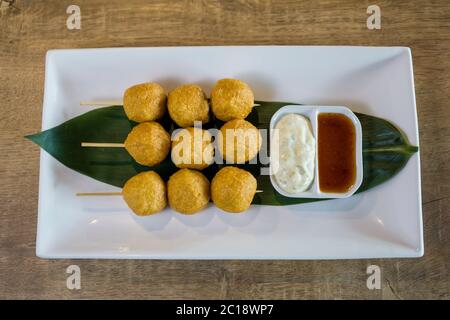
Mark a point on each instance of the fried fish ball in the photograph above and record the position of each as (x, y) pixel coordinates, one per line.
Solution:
(231, 99)
(239, 141)
(148, 143)
(145, 193)
(187, 104)
(188, 191)
(192, 148)
(233, 189)
(144, 102)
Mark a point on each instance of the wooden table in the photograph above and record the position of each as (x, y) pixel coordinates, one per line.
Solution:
(28, 31)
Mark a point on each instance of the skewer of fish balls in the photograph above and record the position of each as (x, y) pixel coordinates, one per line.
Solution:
(147, 101)
(188, 191)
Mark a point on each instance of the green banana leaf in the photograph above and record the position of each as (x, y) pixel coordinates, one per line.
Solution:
(385, 149)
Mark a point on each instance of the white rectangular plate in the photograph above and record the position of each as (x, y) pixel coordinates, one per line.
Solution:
(383, 222)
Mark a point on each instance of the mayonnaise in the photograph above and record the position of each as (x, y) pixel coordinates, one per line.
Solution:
(293, 153)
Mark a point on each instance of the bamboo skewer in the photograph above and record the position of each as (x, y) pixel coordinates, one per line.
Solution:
(102, 103)
(84, 194)
(102, 145)
(106, 103)
(93, 194)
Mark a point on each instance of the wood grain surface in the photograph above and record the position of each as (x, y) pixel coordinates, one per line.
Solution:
(33, 27)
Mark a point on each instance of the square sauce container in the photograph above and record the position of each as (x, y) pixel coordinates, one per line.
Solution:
(311, 112)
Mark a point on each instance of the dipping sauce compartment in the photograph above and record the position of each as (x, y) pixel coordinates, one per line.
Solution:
(336, 150)
(341, 163)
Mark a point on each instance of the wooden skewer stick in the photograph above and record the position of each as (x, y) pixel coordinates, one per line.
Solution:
(85, 194)
(102, 103)
(106, 103)
(102, 145)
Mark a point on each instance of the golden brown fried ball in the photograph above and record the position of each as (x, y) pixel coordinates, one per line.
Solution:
(192, 148)
(233, 189)
(148, 143)
(188, 191)
(231, 99)
(239, 141)
(144, 102)
(145, 193)
(187, 104)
